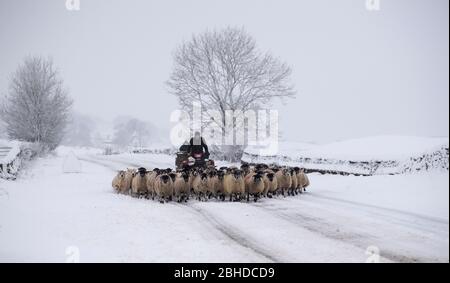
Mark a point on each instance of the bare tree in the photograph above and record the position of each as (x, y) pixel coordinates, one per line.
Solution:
(223, 70)
(3, 133)
(36, 109)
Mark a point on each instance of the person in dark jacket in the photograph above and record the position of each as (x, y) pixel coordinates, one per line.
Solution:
(185, 147)
(197, 144)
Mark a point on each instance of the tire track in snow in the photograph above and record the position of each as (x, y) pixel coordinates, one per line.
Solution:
(397, 211)
(235, 235)
(325, 229)
(362, 240)
(420, 228)
(398, 217)
(228, 232)
(410, 220)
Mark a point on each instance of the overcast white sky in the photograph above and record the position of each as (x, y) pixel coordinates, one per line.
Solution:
(357, 72)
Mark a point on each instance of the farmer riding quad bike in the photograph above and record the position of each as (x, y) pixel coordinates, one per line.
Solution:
(185, 159)
(191, 154)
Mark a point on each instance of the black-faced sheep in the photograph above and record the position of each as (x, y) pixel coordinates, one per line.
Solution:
(294, 184)
(254, 185)
(181, 186)
(270, 183)
(246, 169)
(139, 183)
(219, 190)
(164, 187)
(215, 183)
(200, 185)
(151, 178)
(233, 184)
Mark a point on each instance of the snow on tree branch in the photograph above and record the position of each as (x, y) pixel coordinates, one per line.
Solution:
(36, 109)
(224, 70)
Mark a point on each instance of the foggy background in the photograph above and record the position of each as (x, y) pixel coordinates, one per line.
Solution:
(357, 72)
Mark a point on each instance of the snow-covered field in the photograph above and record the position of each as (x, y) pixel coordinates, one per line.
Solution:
(45, 213)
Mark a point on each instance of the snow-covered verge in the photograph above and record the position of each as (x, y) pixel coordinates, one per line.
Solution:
(45, 214)
(366, 156)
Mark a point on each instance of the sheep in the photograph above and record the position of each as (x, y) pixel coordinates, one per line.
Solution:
(212, 184)
(228, 185)
(118, 180)
(284, 180)
(126, 184)
(261, 167)
(254, 185)
(151, 178)
(233, 184)
(307, 182)
(139, 183)
(239, 182)
(200, 185)
(270, 183)
(172, 175)
(192, 175)
(293, 189)
(164, 187)
(215, 182)
(219, 189)
(181, 186)
(246, 168)
(255, 179)
(302, 179)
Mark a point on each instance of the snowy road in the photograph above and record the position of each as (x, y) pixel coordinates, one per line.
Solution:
(47, 211)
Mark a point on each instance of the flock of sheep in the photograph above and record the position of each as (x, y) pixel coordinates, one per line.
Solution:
(233, 183)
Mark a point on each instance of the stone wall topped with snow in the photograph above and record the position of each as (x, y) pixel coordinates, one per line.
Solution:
(12, 154)
(368, 156)
(9, 159)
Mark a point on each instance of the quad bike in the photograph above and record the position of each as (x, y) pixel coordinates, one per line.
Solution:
(186, 160)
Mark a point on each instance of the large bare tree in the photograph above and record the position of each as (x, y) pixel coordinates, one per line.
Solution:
(36, 109)
(224, 70)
